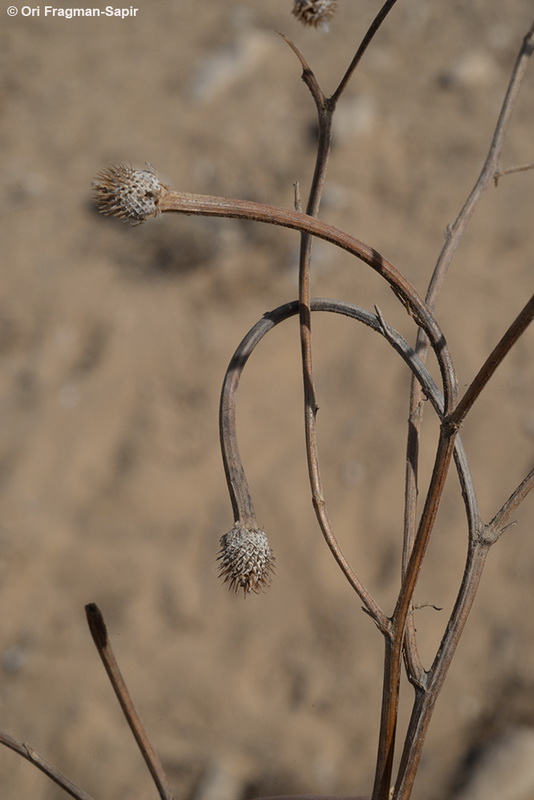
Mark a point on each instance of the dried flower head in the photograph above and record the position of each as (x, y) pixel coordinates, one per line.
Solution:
(247, 561)
(317, 13)
(129, 194)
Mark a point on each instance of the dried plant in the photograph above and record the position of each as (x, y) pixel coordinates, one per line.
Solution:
(317, 13)
(246, 559)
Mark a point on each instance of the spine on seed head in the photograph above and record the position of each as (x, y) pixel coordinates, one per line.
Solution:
(246, 559)
(130, 194)
(316, 13)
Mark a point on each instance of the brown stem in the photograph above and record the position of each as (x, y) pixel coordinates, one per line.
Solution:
(236, 479)
(366, 41)
(100, 638)
(325, 110)
(426, 697)
(503, 347)
(402, 608)
(41, 763)
(454, 234)
(210, 206)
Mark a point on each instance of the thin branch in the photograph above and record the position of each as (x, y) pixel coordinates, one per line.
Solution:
(454, 234)
(426, 697)
(479, 544)
(404, 602)
(41, 763)
(500, 521)
(511, 170)
(464, 473)
(325, 111)
(456, 230)
(495, 358)
(366, 41)
(308, 75)
(478, 547)
(100, 638)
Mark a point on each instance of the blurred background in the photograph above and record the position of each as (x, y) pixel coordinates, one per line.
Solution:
(113, 345)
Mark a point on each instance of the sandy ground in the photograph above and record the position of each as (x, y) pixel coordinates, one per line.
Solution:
(113, 345)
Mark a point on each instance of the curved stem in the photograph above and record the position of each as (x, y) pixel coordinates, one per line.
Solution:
(208, 205)
(236, 477)
(235, 474)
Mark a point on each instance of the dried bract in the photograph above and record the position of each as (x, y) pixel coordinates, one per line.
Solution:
(317, 13)
(247, 561)
(129, 194)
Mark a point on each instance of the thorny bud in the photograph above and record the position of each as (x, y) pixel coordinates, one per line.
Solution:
(247, 561)
(127, 193)
(317, 13)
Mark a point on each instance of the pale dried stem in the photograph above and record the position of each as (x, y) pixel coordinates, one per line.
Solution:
(100, 638)
(325, 110)
(41, 763)
(425, 698)
(500, 521)
(479, 536)
(453, 237)
(511, 171)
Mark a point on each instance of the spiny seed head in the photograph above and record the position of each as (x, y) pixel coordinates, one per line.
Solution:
(247, 561)
(129, 194)
(317, 13)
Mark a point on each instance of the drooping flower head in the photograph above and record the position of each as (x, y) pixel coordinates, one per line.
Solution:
(127, 193)
(247, 561)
